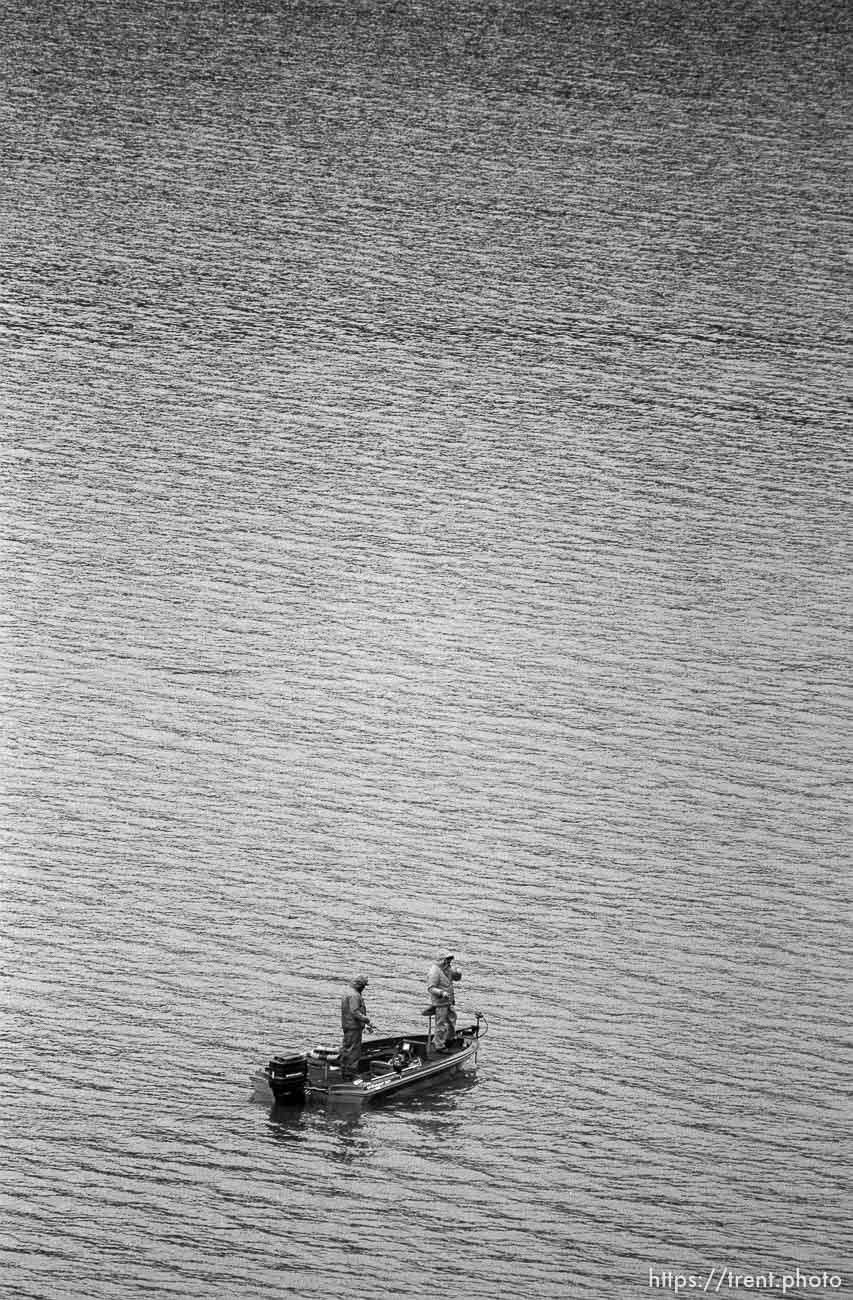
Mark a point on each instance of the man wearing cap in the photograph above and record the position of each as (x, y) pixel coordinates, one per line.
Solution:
(440, 980)
(354, 1021)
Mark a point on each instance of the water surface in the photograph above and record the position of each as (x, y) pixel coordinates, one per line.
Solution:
(425, 484)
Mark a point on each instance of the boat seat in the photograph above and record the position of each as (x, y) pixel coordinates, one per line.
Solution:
(380, 1067)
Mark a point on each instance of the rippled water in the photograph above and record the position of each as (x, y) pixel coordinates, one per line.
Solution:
(425, 498)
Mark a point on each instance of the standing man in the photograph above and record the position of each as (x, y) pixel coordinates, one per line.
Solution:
(440, 980)
(354, 1021)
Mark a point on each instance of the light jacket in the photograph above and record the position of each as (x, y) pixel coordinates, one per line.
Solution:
(440, 986)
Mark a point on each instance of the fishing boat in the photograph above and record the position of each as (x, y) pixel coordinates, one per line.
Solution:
(386, 1066)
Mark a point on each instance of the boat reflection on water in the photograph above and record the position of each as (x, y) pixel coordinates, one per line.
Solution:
(348, 1131)
(344, 1139)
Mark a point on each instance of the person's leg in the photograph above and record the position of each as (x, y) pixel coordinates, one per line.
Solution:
(350, 1052)
(442, 1026)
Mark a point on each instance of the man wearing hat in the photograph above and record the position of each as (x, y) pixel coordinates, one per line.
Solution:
(354, 1021)
(440, 980)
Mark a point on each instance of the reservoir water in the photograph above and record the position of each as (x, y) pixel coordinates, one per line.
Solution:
(426, 488)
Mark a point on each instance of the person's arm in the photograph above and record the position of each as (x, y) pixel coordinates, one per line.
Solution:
(435, 986)
(354, 1005)
(359, 1010)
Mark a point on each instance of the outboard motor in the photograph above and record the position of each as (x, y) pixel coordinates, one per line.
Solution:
(286, 1075)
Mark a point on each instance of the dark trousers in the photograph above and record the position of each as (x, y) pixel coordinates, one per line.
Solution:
(351, 1051)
